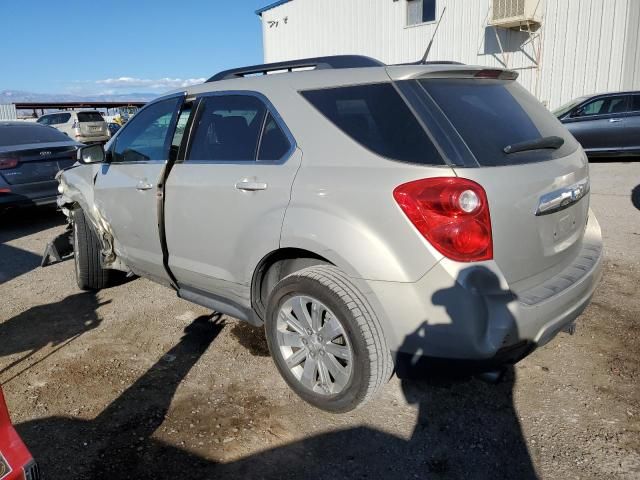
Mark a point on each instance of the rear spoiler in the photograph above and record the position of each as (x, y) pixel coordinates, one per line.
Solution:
(463, 71)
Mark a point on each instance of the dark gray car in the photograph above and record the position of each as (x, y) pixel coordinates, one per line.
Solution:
(30, 157)
(605, 125)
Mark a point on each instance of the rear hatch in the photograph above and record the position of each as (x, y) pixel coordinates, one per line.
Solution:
(35, 162)
(538, 197)
(91, 124)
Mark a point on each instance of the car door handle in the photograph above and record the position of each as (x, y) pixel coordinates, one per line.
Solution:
(144, 185)
(615, 120)
(249, 186)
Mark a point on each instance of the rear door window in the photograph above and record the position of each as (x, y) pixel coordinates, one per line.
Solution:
(489, 115)
(90, 117)
(227, 128)
(635, 105)
(377, 118)
(62, 118)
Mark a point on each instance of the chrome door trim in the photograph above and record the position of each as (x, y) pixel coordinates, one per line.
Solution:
(562, 198)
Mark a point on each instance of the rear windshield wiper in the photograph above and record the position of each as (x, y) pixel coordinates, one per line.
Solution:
(552, 143)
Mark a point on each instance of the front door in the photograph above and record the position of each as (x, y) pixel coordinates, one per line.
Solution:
(225, 203)
(128, 187)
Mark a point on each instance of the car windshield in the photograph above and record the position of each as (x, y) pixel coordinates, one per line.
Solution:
(25, 134)
(567, 107)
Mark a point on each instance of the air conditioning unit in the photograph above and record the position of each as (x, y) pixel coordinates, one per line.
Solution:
(516, 13)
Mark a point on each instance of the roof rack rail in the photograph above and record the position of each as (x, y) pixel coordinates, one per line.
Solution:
(316, 63)
(432, 62)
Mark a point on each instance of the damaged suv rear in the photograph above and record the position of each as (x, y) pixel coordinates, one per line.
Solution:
(373, 218)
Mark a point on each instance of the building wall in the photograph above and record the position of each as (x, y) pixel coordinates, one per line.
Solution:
(586, 46)
(8, 111)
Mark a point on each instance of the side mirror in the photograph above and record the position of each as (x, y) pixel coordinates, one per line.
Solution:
(91, 154)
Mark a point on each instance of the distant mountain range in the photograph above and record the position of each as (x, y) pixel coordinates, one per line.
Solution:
(13, 96)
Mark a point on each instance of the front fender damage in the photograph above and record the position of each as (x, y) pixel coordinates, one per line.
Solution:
(76, 191)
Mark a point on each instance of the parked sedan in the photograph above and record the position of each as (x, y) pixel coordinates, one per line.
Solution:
(605, 125)
(30, 157)
(16, 463)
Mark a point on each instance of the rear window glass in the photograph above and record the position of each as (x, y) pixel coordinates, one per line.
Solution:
(377, 118)
(25, 134)
(490, 115)
(90, 117)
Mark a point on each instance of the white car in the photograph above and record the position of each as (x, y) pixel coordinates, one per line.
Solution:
(87, 126)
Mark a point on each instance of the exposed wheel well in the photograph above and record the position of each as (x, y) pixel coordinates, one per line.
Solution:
(274, 267)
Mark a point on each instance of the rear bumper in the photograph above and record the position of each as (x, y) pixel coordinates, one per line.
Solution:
(28, 194)
(472, 315)
(90, 140)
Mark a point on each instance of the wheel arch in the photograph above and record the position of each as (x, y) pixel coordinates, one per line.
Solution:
(276, 265)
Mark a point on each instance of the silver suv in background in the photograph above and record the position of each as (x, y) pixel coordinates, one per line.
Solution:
(87, 126)
(372, 218)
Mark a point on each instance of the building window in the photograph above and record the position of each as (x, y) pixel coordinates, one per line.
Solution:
(420, 11)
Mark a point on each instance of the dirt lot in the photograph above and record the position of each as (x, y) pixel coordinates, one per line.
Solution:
(135, 383)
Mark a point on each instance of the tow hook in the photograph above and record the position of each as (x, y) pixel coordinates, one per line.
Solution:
(570, 329)
(59, 249)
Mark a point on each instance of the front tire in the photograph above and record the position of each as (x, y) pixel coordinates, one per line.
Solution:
(87, 257)
(326, 340)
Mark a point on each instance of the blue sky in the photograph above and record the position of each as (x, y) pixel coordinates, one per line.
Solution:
(117, 46)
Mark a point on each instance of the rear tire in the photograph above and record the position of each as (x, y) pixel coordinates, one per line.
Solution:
(88, 262)
(346, 333)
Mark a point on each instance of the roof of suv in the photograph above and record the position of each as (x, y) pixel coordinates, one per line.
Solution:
(332, 71)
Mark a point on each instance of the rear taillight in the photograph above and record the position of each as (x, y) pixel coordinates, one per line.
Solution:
(6, 163)
(452, 214)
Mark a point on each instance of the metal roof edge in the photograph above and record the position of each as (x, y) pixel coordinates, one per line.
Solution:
(260, 11)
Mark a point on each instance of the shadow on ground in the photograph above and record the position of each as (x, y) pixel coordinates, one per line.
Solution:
(635, 197)
(20, 223)
(465, 429)
(55, 324)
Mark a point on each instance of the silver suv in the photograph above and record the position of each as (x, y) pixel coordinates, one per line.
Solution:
(372, 218)
(85, 127)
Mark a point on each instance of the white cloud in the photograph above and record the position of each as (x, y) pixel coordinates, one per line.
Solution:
(161, 83)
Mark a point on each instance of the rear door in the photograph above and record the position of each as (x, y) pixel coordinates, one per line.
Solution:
(529, 245)
(597, 125)
(225, 202)
(128, 190)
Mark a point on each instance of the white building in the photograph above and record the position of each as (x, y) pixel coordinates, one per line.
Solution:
(562, 49)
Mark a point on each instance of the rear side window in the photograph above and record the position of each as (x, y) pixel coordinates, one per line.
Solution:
(635, 105)
(490, 115)
(26, 134)
(227, 128)
(62, 118)
(377, 118)
(274, 143)
(90, 117)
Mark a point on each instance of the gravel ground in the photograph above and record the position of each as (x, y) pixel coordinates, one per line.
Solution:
(133, 382)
